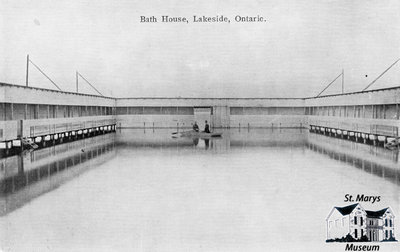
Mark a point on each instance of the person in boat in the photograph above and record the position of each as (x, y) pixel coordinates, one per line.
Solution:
(207, 128)
(195, 127)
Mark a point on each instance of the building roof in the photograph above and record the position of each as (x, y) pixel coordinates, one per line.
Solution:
(376, 214)
(347, 209)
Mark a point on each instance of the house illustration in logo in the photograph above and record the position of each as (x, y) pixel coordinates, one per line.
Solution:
(360, 224)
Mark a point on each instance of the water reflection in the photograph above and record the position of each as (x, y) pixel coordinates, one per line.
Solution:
(370, 159)
(162, 139)
(31, 174)
(267, 138)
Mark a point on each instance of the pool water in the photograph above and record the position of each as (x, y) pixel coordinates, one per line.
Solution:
(142, 190)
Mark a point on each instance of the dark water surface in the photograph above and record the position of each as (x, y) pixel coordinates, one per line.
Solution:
(136, 190)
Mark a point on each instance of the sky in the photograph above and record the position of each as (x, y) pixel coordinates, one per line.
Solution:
(302, 46)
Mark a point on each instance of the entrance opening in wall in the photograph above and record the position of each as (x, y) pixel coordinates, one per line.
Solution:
(201, 114)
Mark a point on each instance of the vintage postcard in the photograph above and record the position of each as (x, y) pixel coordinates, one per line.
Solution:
(235, 125)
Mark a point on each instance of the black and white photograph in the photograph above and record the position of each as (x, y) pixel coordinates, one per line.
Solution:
(209, 126)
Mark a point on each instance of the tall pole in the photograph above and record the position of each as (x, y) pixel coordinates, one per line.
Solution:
(342, 81)
(76, 77)
(27, 69)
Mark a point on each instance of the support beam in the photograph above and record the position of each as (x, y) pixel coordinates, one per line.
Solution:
(329, 84)
(12, 111)
(25, 111)
(342, 81)
(377, 78)
(45, 75)
(78, 74)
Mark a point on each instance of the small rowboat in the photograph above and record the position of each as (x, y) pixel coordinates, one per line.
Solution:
(200, 134)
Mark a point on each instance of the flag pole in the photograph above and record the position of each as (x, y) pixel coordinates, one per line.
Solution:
(27, 69)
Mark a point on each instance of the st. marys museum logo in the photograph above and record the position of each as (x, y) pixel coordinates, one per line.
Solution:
(353, 223)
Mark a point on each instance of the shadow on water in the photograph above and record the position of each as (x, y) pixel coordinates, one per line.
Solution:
(31, 174)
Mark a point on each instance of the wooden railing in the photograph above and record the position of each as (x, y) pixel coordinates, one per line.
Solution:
(12, 130)
(382, 127)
